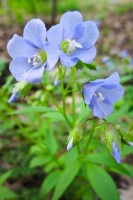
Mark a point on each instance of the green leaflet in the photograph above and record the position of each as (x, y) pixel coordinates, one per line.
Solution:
(49, 183)
(102, 183)
(66, 178)
(6, 193)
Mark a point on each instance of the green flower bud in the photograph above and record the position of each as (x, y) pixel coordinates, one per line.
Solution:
(22, 88)
(113, 141)
(76, 135)
(19, 86)
(127, 136)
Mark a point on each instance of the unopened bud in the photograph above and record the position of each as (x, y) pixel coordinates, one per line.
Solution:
(20, 89)
(127, 136)
(13, 97)
(113, 142)
(116, 152)
(76, 135)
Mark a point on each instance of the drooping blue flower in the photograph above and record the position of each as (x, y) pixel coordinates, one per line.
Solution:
(31, 53)
(116, 152)
(101, 94)
(75, 39)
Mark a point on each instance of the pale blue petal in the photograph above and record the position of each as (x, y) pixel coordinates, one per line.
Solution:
(18, 47)
(78, 31)
(55, 34)
(91, 34)
(35, 32)
(19, 67)
(113, 79)
(85, 56)
(22, 70)
(35, 75)
(97, 112)
(112, 94)
(53, 52)
(89, 90)
(116, 152)
(66, 60)
(69, 20)
(106, 108)
(95, 108)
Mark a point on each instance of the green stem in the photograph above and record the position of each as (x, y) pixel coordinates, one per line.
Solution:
(62, 87)
(90, 136)
(73, 96)
(58, 107)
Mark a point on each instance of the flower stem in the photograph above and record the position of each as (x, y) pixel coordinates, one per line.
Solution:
(73, 96)
(62, 87)
(90, 136)
(58, 107)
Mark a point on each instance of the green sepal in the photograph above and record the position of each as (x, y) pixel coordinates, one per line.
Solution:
(127, 136)
(22, 88)
(77, 134)
(19, 86)
(91, 66)
(24, 91)
(80, 82)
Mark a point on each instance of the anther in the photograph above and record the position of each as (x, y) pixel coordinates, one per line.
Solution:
(29, 60)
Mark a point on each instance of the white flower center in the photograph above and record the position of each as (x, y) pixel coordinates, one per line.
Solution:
(72, 46)
(99, 96)
(36, 60)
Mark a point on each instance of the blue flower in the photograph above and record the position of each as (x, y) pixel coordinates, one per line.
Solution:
(116, 152)
(31, 53)
(75, 39)
(101, 94)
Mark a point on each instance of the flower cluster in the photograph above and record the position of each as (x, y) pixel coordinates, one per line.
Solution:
(68, 43)
(38, 50)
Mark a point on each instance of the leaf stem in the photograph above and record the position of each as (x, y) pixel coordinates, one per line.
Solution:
(90, 135)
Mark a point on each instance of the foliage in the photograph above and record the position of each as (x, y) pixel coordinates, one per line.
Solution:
(33, 145)
(34, 135)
